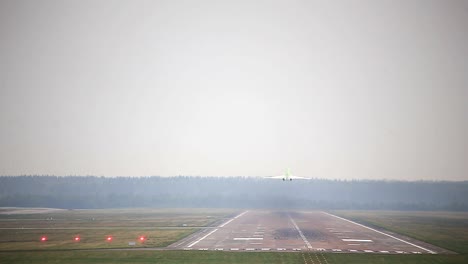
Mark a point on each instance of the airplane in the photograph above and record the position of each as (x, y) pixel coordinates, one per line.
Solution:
(288, 176)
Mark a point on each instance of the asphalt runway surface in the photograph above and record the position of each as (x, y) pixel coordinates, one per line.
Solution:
(300, 231)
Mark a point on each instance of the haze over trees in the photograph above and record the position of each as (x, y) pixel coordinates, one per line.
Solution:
(239, 192)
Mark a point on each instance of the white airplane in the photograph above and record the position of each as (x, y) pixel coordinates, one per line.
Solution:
(288, 177)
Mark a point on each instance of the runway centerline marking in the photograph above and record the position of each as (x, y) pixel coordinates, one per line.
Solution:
(399, 239)
(300, 232)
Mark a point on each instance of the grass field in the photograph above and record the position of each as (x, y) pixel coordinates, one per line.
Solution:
(64, 239)
(160, 227)
(444, 229)
(115, 218)
(212, 257)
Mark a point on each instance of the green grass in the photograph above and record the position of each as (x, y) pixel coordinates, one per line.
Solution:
(448, 230)
(63, 239)
(395, 259)
(208, 257)
(161, 227)
(116, 218)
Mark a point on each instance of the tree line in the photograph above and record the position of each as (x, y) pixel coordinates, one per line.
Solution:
(236, 192)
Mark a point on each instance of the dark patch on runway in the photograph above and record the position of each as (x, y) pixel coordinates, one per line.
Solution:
(313, 235)
(285, 233)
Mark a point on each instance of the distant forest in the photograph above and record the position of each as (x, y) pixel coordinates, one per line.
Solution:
(74, 192)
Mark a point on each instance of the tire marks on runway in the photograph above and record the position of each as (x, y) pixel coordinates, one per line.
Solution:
(324, 258)
(305, 259)
(314, 258)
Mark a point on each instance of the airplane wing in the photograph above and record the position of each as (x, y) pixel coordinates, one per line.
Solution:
(275, 177)
(290, 177)
(299, 178)
(287, 176)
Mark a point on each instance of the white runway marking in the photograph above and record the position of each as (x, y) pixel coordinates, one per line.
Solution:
(202, 238)
(248, 238)
(356, 240)
(241, 214)
(300, 232)
(399, 239)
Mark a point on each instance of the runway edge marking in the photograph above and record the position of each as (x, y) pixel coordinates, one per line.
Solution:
(380, 232)
(200, 239)
(239, 215)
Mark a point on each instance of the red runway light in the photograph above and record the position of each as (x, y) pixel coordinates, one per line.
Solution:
(43, 239)
(77, 239)
(109, 238)
(142, 238)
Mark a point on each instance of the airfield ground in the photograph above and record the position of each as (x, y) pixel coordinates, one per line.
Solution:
(301, 231)
(445, 229)
(159, 227)
(253, 236)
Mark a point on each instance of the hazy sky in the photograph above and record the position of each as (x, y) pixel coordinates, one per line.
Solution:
(332, 89)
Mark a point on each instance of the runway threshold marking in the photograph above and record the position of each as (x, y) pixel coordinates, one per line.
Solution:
(356, 240)
(248, 238)
(380, 232)
(300, 232)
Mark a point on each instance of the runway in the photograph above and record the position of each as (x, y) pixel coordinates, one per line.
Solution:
(299, 231)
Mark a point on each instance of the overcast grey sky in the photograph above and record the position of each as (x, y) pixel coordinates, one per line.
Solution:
(332, 89)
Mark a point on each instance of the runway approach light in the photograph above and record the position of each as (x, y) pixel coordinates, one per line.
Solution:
(43, 239)
(77, 239)
(142, 238)
(109, 238)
